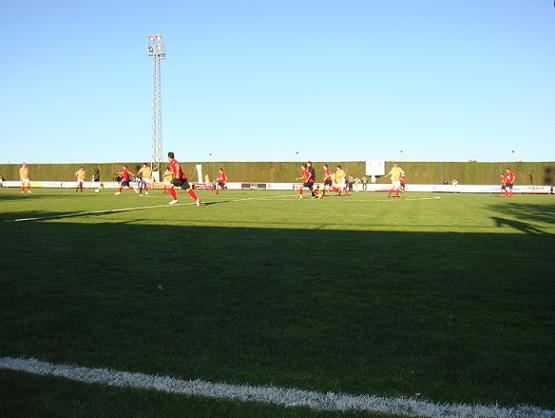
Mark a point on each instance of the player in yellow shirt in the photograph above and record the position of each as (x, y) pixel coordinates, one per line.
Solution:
(167, 179)
(80, 176)
(339, 179)
(24, 178)
(395, 174)
(145, 173)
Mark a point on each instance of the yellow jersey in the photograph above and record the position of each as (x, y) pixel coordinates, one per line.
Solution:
(167, 176)
(396, 173)
(339, 176)
(24, 172)
(147, 173)
(81, 175)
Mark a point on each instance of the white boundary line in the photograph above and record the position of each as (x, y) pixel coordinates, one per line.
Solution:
(107, 211)
(287, 397)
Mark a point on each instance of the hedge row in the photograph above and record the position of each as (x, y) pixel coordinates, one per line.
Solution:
(539, 173)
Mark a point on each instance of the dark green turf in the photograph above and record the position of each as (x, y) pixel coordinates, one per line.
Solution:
(449, 298)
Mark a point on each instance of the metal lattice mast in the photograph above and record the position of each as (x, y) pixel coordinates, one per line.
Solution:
(157, 52)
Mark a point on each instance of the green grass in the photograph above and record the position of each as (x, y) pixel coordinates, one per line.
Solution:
(451, 298)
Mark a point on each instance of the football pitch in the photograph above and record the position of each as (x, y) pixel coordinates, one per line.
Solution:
(443, 298)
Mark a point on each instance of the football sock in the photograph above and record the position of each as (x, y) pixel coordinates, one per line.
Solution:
(172, 192)
(192, 194)
(120, 189)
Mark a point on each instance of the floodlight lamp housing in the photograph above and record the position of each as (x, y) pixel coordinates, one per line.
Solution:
(156, 46)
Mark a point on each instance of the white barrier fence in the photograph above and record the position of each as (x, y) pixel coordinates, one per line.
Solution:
(433, 188)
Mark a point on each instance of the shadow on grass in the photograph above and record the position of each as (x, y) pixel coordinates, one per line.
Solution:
(528, 212)
(518, 225)
(447, 315)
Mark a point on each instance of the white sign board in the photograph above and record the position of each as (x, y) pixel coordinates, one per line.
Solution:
(375, 167)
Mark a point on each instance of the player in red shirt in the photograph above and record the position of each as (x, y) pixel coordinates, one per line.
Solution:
(328, 183)
(125, 180)
(503, 185)
(179, 180)
(222, 180)
(403, 180)
(308, 177)
(509, 181)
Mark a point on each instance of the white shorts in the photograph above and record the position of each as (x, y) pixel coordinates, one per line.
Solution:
(168, 183)
(396, 184)
(25, 181)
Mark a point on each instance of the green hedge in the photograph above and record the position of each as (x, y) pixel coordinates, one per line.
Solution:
(540, 173)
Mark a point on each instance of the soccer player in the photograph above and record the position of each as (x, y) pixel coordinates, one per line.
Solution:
(167, 179)
(24, 178)
(80, 176)
(145, 174)
(179, 180)
(222, 180)
(395, 174)
(328, 183)
(340, 181)
(503, 185)
(310, 168)
(403, 181)
(96, 179)
(125, 180)
(509, 181)
(308, 180)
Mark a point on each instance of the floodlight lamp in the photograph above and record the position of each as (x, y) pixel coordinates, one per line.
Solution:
(155, 45)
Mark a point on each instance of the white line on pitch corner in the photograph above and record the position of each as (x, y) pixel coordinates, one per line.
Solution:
(287, 397)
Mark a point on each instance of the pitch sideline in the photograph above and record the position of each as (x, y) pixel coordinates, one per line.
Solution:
(107, 211)
(280, 396)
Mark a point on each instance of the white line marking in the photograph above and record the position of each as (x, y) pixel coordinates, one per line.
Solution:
(107, 211)
(287, 397)
(91, 212)
(348, 199)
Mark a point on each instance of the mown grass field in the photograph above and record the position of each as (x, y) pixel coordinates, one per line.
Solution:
(442, 297)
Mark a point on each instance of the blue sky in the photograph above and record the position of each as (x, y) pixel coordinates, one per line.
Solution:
(279, 80)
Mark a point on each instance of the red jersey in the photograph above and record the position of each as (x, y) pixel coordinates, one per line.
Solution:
(222, 178)
(173, 165)
(503, 181)
(403, 178)
(509, 177)
(327, 172)
(125, 174)
(307, 175)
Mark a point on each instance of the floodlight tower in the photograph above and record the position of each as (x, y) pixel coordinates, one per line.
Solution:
(157, 51)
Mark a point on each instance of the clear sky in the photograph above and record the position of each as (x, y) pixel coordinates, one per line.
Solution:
(279, 80)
